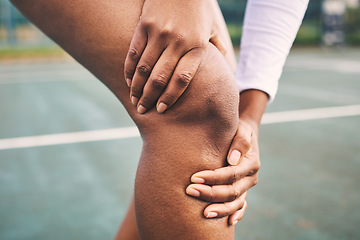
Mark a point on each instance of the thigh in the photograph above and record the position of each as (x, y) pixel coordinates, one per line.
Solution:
(96, 33)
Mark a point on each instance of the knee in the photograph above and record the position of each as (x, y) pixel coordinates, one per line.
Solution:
(210, 102)
(193, 135)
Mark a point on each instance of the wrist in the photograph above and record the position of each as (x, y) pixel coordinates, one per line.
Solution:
(251, 122)
(252, 106)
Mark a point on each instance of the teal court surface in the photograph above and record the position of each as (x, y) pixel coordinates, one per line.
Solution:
(68, 153)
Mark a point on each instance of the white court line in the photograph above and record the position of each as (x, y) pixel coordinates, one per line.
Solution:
(336, 65)
(130, 132)
(77, 79)
(53, 76)
(311, 114)
(65, 138)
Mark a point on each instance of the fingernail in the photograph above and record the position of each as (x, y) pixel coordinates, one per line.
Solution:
(128, 82)
(235, 222)
(234, 157)
(198, 180)
(193, 192)
(212, 215)
(134, 100)
(162, 107)
(141, 109)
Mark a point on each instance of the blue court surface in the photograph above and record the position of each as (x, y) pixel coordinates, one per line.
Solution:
(68, 153)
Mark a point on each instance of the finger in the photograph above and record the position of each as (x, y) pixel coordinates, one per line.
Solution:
(159, 78)
(237, 216)
(180, 80)
(226, 208)
(137, 46)
(216, 39)
(221, 193)
(240, 144)
(218, 43)
(143, 70)
(225, 175)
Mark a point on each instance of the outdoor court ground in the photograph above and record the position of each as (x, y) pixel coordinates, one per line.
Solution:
(68, 153)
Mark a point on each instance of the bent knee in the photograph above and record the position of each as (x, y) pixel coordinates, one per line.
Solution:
(209, 103)
(193, 135)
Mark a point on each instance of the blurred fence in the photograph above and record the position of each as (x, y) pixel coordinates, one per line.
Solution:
(15, 30)
(315, 24)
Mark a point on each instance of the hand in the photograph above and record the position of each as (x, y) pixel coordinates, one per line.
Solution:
(226, 188)
(166, 50)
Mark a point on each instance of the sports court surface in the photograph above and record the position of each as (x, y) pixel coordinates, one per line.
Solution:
(68, 153)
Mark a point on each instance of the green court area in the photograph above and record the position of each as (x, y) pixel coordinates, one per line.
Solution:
(68, 153)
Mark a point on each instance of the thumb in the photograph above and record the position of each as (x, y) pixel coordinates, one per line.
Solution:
(218, 42)
(240, 144)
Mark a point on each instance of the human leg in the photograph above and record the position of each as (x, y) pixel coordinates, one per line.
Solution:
(192, 136)
(128, 229)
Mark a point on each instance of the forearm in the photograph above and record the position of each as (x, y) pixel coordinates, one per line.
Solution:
(252, 106)
(270, 27)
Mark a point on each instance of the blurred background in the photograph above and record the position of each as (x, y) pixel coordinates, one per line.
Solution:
(339, 18)
(334, 22)
(68, 150)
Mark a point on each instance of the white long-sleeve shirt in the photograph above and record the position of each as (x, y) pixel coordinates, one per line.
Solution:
(269, 30)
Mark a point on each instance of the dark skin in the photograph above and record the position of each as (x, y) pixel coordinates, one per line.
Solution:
(148, 74)
(193, 135)
(167, 49)
(253, 103)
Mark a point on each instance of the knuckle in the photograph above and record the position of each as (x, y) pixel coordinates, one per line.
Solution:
(159, 83)
(233, 177)
(235, 193)
(227, 210)
(201, 45)
(183, 79)
(179, 40)
(242, 141)
(146, 23)
(255, 169)
(129, 73)
(247, 144)
(217, 173)
(133, 54)
(136, 91)
(169, 97)
(165, 32)
(144, 70)
(146, 101)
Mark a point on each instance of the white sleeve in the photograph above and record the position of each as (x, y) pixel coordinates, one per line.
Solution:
(269, 30)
